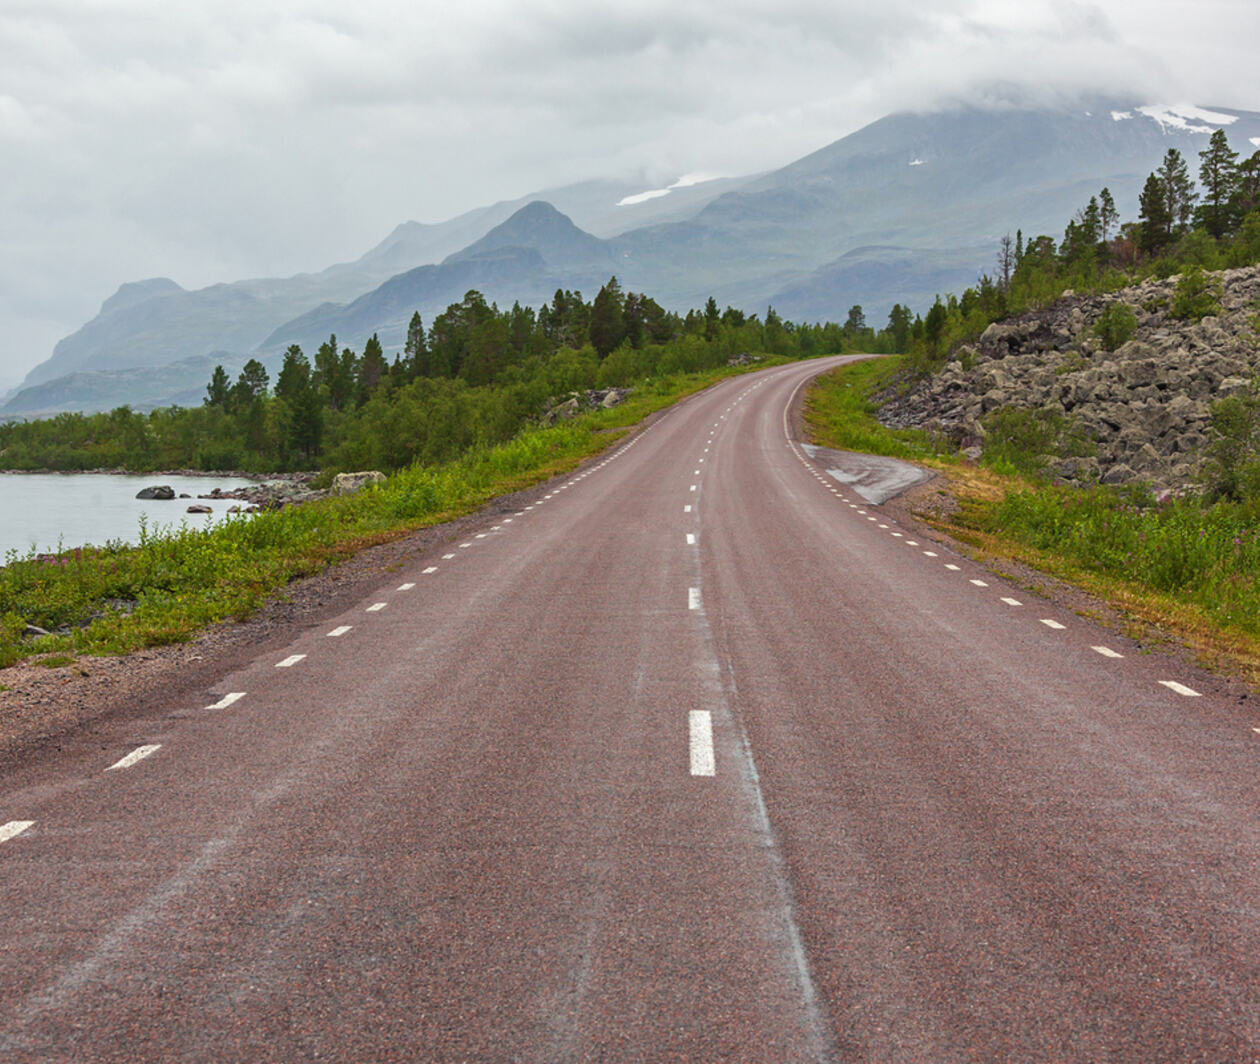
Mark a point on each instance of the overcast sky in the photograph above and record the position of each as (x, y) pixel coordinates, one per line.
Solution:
(211, 140)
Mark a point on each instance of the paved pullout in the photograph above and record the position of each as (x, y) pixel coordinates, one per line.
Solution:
(698, 758)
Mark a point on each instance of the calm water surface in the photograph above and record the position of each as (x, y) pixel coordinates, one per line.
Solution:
(41, 511)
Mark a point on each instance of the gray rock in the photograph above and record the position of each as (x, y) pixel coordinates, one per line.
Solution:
(198, 508)
(158, 491)
(351, 483)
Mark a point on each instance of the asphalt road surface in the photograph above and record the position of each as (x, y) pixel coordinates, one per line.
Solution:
(698, 758)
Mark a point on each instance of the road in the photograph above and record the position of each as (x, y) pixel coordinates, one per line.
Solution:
(698, 757)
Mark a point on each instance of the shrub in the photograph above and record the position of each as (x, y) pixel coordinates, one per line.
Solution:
(1198, 295)
(1024, 439)
(1115, 325)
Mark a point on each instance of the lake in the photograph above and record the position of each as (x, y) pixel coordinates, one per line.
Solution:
(47, 510)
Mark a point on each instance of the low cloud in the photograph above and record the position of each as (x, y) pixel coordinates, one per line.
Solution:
(212, 142)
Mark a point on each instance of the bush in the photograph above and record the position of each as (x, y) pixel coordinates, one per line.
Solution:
(1024, 440)
(1115, 325)
(1198, 295)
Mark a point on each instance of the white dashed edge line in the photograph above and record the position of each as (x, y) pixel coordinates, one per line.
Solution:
(138, 754)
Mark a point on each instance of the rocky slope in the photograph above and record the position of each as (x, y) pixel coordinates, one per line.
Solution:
(1144, 406)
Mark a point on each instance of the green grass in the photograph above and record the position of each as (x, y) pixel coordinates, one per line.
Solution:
(175, 581)
(840, 412)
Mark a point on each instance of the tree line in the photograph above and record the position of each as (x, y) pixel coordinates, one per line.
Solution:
(476, 376)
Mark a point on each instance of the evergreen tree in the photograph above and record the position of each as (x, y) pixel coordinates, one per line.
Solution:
(856, 321)
(712, 319)
(218, 389)
(1108, 216)
(1179, 194)
(1247, 194)
(899, 328)
(416, 349)
(608, 323)
(1218, 171)
(1156, 230)
(295, 373)
(371, 368)
(250, 385)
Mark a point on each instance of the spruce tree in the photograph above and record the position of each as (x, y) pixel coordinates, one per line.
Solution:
(1179, 194)
(1218, 171)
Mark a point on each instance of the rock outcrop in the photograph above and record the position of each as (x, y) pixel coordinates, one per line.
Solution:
(158, 491)
(350, 483)
(1146, 405)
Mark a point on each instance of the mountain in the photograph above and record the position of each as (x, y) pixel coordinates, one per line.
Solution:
(909, 206)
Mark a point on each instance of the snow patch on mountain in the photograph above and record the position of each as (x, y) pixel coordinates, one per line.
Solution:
(1187, 119)
(1120, 116)
(686, 181)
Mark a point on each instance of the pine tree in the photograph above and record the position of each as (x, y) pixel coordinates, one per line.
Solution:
(1247, 195)
(371, 368)
(1179, 194)
(1108, 216)
(608, 322)
(295, 373)
(1156, 231)
(218, 389)
(1218, 171)
(416, 349)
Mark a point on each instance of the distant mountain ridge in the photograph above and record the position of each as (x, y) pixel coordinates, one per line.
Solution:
(906, 207)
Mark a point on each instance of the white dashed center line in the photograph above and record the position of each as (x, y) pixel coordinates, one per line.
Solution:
(693, 487)
(227, 700)
(1052, 624)
(701, 728)
(376, 607)
(693, 598)
(1181, 689)
(290, 661)
(138, 754)
(14, 828)
(686, 509)
(691, 539)
(339, 630)
(1106, 652)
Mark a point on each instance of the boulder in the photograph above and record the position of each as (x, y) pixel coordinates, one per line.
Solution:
(158, 491)
(350, 483)
(198, 508)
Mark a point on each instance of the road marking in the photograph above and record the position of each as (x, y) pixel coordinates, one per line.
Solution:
(883, 526)
(376, 607)
(911, 543)
(697, 473)
(1012, 602)
(872, 518)
(430, 569)
(693, 487)
(951, 568)
(447, 557)
(979, 583)
(700, 725)
(340, 630)
(408, 586)
(507, 520)
(290, 661)
(1106, 652)
(1053, 624)
(138, 754)
(693, 598)
(481, 535)
(1181, 689)
(896, 535)
(691, 539)
(464, 546)
(227, 700)
(14, 828)
(686, 509)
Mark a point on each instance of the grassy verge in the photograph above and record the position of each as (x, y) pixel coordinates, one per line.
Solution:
(116, 599)
(1190, 570)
